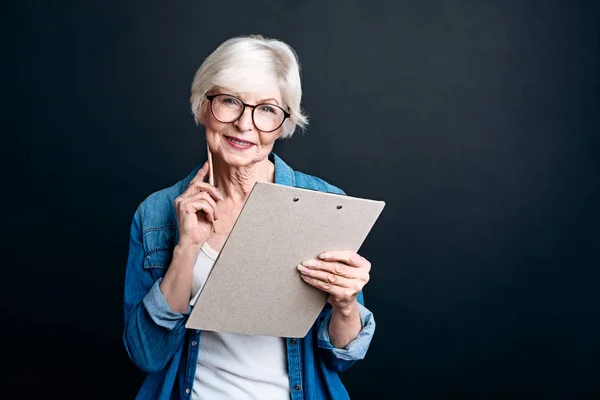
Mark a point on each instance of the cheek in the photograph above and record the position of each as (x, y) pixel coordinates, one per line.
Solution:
(212, 126)
(268, 141)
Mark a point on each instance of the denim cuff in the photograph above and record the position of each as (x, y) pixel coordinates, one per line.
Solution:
(357, 348)
(160, 311)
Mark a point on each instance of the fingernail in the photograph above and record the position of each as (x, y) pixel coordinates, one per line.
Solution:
(309, 263)
(301, 268)
(324, 256)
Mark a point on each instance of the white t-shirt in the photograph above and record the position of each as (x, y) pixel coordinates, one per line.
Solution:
(233, 366)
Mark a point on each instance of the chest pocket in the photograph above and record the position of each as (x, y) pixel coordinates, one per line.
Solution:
(159, 243)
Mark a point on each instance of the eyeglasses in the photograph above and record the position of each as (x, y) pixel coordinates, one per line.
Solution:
(228, 108)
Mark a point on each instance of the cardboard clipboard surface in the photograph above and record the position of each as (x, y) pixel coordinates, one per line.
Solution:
(254, 287)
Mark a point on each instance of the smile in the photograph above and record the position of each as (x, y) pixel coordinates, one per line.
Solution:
(238, 142)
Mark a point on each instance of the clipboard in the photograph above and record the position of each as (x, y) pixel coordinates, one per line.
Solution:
(254, 287)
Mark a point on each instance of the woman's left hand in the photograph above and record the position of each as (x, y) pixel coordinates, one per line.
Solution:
(342, 274)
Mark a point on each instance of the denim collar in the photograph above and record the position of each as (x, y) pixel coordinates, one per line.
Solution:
(284, 175)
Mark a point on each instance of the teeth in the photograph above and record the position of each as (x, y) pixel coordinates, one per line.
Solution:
(238, 141)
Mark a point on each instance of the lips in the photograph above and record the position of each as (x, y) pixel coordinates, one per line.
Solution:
(239, 142)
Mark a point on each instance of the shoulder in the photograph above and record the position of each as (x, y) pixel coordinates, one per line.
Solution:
(307, 181)
(285, 175)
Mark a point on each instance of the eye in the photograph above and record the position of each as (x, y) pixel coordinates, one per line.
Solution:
(268, 109)
(230, 100)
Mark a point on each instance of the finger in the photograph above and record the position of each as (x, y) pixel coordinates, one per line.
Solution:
(326, 277)
(336, 291)
(202, 172)
(199, 186)
(206, 197)
(337, 268)
(202, 195)
(200, 175)
(200, 202)
(347, 257)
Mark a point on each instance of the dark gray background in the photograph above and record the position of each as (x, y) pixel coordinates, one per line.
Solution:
(476, 121)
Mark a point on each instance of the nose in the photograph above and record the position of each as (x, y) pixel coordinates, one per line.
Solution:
(244, 123)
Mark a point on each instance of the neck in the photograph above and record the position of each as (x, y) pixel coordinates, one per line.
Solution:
(235, 183)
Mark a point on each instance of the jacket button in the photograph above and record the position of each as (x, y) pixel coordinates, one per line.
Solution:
(293, 341)
(194, 343)
(187, 390)
(296, 387)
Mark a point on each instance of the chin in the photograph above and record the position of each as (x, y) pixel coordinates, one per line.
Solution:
(242, 160)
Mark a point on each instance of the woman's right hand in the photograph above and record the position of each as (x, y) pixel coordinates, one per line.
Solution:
(196, 210)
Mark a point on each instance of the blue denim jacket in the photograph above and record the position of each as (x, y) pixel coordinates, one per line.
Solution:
(156, 339)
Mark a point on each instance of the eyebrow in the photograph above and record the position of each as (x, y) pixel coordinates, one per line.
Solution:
(263, 101)
(268, 100)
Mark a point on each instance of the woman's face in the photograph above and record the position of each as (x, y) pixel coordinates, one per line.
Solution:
(240, 143)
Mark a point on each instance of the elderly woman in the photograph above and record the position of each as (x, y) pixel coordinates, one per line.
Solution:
(247, 95)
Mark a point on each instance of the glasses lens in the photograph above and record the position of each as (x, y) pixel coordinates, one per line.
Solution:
(227, 108)
(268, 117)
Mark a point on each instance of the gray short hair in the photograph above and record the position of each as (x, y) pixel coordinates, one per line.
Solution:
(249, 63)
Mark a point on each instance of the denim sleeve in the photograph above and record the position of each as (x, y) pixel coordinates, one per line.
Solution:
(160, 311)
(152, 333)
(342, 359)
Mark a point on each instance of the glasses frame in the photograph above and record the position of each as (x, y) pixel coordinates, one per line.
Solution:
(210, 98)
